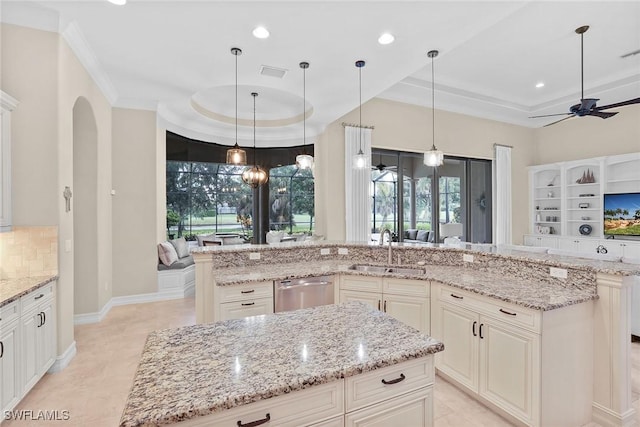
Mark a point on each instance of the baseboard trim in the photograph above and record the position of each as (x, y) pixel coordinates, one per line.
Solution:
(608, 418)
(83, 319)
(63, 360)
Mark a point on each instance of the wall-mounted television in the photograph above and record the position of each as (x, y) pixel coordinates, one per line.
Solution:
(622, 214)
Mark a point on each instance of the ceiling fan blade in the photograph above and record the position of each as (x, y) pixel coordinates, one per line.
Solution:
(619, 104)
(551, 115)
(558, 121)
(601, 114)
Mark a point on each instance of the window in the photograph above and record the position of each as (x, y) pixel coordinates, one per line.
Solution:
(291, 199)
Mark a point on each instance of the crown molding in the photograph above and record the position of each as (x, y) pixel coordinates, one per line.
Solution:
(78, 44)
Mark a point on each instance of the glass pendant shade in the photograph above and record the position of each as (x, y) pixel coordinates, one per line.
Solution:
(304, 161)
(360, 160)
(236, 155)
(255, 176)
(433, 157)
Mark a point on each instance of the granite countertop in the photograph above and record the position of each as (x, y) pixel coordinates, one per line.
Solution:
(12, 289)
(527, 293)
(206, 368)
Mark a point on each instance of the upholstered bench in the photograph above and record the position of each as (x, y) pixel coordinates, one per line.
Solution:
(176, 270)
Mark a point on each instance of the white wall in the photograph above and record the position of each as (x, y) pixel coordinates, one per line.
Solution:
(407, 127)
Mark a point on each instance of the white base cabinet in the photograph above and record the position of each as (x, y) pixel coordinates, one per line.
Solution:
(239, 301)
(495, 350)
(27, 343)
(406, 300)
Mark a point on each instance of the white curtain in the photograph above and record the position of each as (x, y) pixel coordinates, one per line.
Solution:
(357, 184)
(502, 187)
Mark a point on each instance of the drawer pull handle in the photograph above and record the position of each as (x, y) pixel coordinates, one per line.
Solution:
(481, 325)
(39, 296)
(457, 296)
(1, 349)
(248, 303)
(255, 423)
(40, 321)
(396, 381)
(385, 306)
(248, 292)
(508, 312)
(378, 304)
(475, 323)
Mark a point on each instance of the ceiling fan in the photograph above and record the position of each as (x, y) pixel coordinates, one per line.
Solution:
(587, 106)
(381, 167)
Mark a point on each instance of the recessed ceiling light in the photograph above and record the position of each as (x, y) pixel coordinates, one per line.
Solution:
(261, 32)
(118, 2)
(386, 38)
(539, 85)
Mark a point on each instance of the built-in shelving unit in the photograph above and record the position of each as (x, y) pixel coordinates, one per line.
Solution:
(546, 187)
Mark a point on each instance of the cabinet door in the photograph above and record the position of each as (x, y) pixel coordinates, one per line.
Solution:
(371, 298)
(46, 337)
(459, 331)
(507, 373)
(241, 309)
(9, 367)
(412, 409)
(29, 339)
(413, 311)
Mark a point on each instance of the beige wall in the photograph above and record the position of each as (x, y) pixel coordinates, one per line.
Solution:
(586, 137)
(407, 127)
(135, 257)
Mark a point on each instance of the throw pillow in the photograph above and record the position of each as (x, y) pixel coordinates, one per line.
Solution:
(182, 248)
(202, 237)
(167, 253)
(411, 234)
(422, 235)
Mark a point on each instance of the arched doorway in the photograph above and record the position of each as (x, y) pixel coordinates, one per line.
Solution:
(85, 224)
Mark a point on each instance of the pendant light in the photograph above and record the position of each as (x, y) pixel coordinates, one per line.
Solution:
(236, 155)
(433, 157)
(304, 161)
(255, 176)
(360, 161)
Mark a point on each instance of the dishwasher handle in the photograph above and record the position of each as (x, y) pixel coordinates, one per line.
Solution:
(287, 284)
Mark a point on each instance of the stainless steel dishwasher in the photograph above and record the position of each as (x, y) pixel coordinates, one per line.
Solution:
(302, 293)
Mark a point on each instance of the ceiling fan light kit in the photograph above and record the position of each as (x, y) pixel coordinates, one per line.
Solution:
(236, 155)
(587, 106)
(433, 157)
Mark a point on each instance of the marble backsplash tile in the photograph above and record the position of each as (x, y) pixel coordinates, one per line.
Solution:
(29, 252)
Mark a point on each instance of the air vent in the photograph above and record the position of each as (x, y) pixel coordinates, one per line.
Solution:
(267, 70)
(626, 55)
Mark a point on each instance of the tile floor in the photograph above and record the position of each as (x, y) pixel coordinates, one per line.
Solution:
(95, 385)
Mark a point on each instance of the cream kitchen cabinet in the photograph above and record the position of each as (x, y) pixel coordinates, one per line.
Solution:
(38, 334)
(405, 299)
(10, 387)
(495, 350)
(238, 301)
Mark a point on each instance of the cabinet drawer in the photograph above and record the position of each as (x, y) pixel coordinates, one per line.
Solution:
(361, 283)
(36, 297)
(9, 312)
(246, 291)
(367, 389)
(307, 407)
(245, 308)
(412, 409)
(418, 288)
(510, 313)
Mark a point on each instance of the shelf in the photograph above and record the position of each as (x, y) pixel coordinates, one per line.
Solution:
(617, 181)
(590, 184)
(595, 221)
(585, 209)
(548, 198)
(547, 222)
(547, 187)
(547, 210)
(583, 197)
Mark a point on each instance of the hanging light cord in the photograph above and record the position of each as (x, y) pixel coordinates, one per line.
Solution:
(304, 110)
(360, 110)
(433, 109)
(236, 98)
(254, 129)
(582, 64)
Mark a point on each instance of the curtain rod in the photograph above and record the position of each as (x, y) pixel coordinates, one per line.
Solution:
(344, 124)
(503, 145)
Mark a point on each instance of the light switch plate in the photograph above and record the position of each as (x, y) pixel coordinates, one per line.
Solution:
(343, 251)
(67, 245)
(467, 257)
(560, 273)
(325, 251)
(254, 255)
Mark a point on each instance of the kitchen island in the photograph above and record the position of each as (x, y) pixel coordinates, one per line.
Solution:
(296, 368)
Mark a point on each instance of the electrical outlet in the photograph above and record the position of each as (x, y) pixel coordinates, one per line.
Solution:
(560, 273)
(467, 257)
(343, 251)
(325, 251)
(254, 255)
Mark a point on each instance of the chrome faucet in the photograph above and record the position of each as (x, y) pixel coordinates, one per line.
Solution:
(381, 243)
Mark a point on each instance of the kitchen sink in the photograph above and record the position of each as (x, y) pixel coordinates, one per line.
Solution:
(382, 269)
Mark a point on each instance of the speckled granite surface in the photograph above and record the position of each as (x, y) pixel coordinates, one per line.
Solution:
(12, 289)
(527, 292)
(202, 369)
